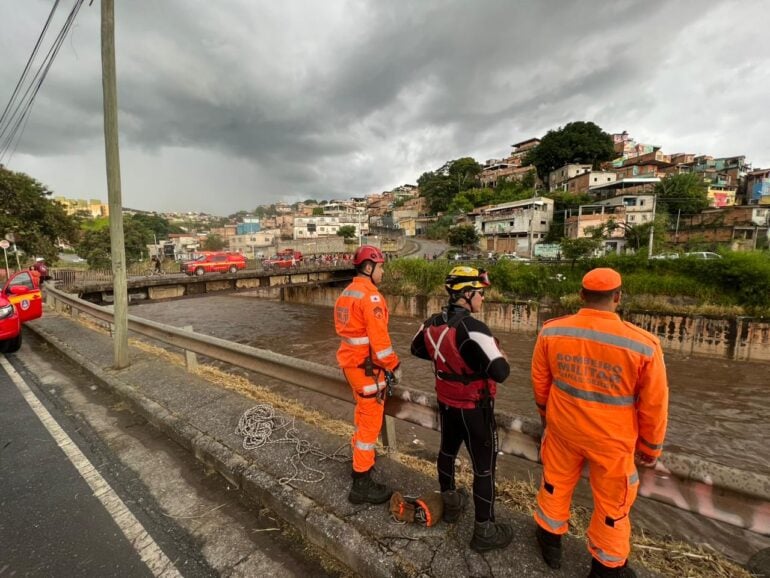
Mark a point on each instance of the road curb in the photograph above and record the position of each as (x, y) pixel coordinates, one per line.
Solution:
(332, 534)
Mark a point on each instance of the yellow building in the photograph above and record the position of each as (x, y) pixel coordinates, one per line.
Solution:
(93, 207)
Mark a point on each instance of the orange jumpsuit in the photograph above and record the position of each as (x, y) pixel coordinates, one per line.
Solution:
(601, 384)
(361, 320)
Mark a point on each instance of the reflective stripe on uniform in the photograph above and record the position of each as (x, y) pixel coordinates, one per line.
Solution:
(651, 446)
(633, 478)
(554, 524)
(437, 344)
(363, 446)
(602, 555)
(353, 293)
(594, 395)
(384, 353)
(372, 388)
(600, 337)
(356, 340)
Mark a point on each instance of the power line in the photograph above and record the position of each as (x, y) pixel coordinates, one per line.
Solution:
(29, 63)
(17, 126)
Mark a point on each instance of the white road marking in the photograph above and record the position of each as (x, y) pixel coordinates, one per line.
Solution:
(149, 552)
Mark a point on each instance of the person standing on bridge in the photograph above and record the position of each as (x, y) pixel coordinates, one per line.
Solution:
(601, 390)
(467, 363)
(370, 365)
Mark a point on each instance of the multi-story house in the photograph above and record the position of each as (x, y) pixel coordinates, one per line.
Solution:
(743, 227)
(609, 220)
(583, 182)
(327, 226)
(255, 245)
(515, 227)
(511, 168)
(758, 187)
(558, 177)
(92, 207)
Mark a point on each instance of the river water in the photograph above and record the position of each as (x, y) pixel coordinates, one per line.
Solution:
(719, 409)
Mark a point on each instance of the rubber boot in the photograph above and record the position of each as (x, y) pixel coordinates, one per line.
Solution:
(454, 504)
(550, 547)
(366, 490)
(599, 570)
(490, 535)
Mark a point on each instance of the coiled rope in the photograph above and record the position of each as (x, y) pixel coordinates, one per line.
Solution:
(259, 426)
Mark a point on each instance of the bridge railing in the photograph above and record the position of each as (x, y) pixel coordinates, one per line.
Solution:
(738, 497)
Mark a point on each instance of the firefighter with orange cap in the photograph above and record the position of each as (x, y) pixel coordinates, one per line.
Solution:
(370, 365)
(601, 389)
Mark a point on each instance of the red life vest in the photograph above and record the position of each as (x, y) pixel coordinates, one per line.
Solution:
(457, 384)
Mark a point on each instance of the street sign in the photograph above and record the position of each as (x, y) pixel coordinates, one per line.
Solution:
(4, 244)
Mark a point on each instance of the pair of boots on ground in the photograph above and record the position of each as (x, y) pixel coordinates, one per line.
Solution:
(550, 548)
(488, 535)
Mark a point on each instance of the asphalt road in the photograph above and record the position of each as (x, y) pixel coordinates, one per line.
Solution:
(87, 488)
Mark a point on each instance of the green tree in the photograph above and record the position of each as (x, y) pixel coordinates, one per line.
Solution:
(439, 229)
(464, 236)
(687, 193)
(157, 225)
(441, 186)
(577, 142)
(318, 211)
(574, 249)
(347, 231)
(94, 247)
(37, 222)
(214, 243)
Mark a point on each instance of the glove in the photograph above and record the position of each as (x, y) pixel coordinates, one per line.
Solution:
(645, 460)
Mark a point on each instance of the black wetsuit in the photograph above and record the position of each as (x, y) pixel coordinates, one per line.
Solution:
(476, 427)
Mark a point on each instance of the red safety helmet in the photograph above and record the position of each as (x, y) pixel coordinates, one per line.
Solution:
(368, 253)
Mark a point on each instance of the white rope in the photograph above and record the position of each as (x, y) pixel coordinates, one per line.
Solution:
(258, 426)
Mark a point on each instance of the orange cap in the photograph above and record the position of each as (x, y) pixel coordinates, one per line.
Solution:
(601, 279)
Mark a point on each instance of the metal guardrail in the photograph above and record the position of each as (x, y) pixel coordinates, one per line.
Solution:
(738, 497)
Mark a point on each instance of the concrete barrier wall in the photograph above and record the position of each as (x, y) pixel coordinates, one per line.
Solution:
(739, 338)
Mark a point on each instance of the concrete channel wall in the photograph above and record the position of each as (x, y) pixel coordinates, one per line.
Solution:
(738, 338)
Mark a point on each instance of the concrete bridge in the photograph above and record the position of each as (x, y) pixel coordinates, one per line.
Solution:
(96, 287)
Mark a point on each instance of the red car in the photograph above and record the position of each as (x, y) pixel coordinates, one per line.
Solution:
(283, 260)
(20, 301)
(219, 262)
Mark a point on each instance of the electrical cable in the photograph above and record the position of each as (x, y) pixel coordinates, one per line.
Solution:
(15, 133)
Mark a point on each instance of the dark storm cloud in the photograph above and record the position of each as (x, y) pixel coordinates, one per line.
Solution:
(353, 97)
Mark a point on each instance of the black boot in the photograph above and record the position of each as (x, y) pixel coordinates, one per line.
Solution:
(599, 570)
(366, 490)
(490, 535)
(550, 547)
(454, 504)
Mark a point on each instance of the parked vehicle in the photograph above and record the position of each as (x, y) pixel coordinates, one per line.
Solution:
(514, 257)
(703, 255)
(666, 256)
(20, 301)
(283, 260)
(214, 262)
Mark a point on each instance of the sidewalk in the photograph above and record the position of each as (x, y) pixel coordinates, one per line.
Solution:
(203, 418)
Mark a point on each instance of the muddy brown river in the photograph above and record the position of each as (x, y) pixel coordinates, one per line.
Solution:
(719, 409)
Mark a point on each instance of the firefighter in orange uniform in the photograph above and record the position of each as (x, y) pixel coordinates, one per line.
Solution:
(601, 389)
(370, 365)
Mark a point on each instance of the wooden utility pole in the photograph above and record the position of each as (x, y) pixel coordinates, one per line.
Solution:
(117, 245)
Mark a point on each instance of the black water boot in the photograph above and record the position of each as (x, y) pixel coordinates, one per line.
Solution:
(599, 570)
(550, 547)
(490, 535)
(366, 490)
(454, 504)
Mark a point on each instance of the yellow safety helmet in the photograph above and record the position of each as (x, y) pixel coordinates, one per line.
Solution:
(464, 278)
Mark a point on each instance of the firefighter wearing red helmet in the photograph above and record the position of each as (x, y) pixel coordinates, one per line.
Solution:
(369, 363)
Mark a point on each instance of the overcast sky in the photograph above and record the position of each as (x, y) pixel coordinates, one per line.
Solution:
(231, 104)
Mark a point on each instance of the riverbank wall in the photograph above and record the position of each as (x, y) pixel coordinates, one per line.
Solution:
(737, 338)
